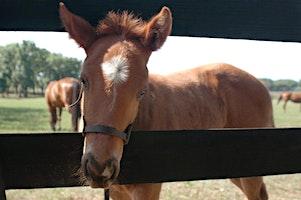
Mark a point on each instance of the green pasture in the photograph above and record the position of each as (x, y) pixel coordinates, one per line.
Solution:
(289, 118)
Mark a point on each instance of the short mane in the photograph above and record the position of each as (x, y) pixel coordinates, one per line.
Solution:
(125, 23)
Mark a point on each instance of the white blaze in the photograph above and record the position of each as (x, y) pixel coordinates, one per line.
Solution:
(116, 69)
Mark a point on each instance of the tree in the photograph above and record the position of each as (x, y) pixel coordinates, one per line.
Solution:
(24, 66)
(62, 66)
(284, 85)
(39, 67)
(27, 51)
(267, 82)
(3, 74)
(10, 63)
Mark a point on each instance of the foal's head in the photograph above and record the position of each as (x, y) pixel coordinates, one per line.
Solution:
(115, 78)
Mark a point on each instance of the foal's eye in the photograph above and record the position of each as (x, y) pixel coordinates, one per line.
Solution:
(141, 94)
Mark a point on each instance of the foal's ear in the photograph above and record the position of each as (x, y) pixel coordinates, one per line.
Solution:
(79, 29)
(157, 29)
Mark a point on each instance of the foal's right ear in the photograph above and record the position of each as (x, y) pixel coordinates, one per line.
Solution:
(157, 29)
(79, 29)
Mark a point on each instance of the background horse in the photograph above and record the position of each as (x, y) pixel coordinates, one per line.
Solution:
(289, 96)
(117, 92)
(59, 94)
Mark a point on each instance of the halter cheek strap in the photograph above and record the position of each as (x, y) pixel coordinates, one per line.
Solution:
(108, 130)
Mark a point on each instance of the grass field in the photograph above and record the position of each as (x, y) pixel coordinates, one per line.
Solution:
(27, 115)
(31, 115)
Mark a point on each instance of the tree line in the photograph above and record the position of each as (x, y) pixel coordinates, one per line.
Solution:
(25, 67)
(282, 84)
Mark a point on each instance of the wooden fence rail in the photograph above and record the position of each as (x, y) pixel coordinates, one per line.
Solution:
(51, 160)
(278, 20)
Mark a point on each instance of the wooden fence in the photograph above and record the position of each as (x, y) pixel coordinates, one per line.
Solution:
(51, 160)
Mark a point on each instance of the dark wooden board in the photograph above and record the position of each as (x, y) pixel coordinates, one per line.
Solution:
(278, 20)
(211, 154)
(40, 160)
(50, 160)
(2, 184)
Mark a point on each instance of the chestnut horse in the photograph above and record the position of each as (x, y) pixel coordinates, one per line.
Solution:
(289, 96)
(118, 91)
(59, 94)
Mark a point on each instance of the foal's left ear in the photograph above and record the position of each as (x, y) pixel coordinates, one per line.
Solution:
(157, 29)
(79, 29)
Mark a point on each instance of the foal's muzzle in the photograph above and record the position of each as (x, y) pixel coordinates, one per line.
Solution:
(102, 174)
(99, 175)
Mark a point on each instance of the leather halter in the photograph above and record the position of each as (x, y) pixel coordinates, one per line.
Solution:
(103, 129)
(109, 130)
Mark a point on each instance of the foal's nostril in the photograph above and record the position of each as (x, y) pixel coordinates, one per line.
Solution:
(93, 168)
(109, 170)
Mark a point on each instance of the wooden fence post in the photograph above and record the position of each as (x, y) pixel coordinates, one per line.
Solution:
(107, 194)
(2, 184)
(2, 192)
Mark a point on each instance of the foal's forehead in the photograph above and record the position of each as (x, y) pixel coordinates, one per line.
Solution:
(109, 46)
(116, 59)
(116, 49)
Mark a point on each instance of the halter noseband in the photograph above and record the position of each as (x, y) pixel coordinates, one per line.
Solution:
(103, 129)
(108, 130)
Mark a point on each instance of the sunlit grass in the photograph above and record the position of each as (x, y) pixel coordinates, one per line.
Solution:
(22, 115)
(290, 118)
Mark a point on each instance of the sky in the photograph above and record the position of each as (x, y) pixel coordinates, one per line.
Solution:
(274, 60)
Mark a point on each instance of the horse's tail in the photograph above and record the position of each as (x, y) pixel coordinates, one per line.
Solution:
(279, 99)
(75, 110)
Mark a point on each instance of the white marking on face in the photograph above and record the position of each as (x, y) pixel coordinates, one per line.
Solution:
(116, 69)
